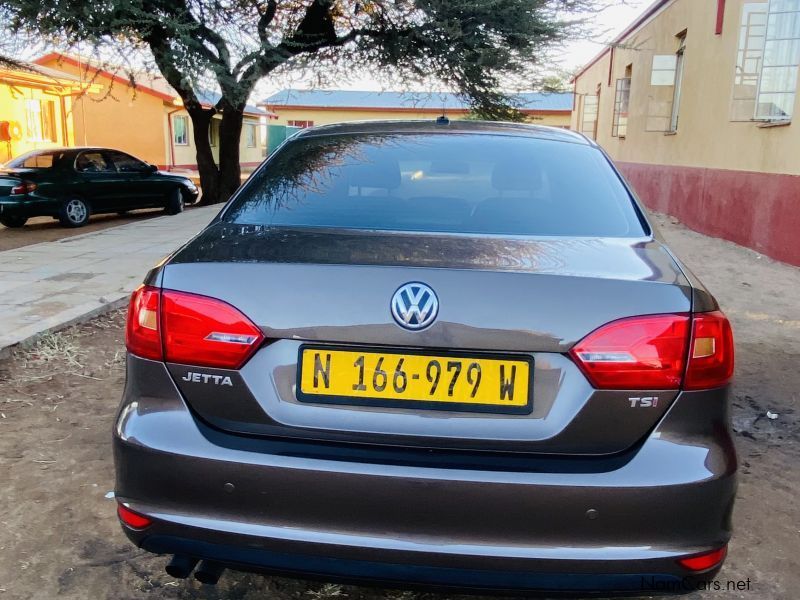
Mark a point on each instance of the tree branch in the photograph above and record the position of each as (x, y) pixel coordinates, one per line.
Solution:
(314, 32)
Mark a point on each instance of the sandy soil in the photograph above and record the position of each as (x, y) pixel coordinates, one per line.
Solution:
(59, 536)
(47, 229)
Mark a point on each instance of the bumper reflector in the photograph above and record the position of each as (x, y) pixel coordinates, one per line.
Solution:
(132, 519)
(704, 562)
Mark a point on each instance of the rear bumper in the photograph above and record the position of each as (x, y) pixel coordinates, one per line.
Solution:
(12, 206)
(27, 206)
(399, 517)
(650, 578)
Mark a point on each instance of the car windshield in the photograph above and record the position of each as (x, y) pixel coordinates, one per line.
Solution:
(462, 183)
(36, 160)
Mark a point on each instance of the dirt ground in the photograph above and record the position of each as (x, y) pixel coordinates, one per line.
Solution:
(59, 536)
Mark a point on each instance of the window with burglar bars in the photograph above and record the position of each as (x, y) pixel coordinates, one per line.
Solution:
(619, 125)
(250, 136)
(676, 94)
(589, 116)
(40, 118)
(180, 130)
(661, 92)
(777, 85)
(752, 33)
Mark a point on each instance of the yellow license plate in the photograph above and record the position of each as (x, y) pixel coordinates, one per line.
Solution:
(408, 379)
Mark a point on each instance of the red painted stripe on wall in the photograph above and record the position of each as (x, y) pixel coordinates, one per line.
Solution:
(757, 210)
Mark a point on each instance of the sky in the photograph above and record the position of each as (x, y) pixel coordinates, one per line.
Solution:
(610, 22)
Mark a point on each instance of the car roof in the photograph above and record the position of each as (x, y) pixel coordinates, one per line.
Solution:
(74, 149)
(451, 126)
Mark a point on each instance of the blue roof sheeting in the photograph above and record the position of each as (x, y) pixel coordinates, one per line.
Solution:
(207, 97)
(560, 101)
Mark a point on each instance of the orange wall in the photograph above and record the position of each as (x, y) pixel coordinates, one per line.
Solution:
(119, 117)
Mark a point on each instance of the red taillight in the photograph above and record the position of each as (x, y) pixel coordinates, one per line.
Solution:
(650, 353)
(704, 562)
(203, 331)
(132, 519)
(710, 353)
(189, 329)
(637, 353)
(26, 187)
(142, 335)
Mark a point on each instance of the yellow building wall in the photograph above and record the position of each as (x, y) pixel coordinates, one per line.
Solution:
(118, 116)
(323, 116)
(551, 120)
(185, 155)
(137, 122)
(13, 108)
(706, 137)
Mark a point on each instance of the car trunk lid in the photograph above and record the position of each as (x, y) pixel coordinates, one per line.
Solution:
(533, 298)
(7, 183)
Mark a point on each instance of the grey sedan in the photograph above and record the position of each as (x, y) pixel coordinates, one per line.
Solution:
(451, 355)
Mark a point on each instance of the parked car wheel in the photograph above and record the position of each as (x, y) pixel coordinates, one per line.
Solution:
(175, 202)
(74, 213)
(13, 221)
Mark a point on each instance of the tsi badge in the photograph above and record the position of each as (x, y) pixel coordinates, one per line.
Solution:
(644, 401)
(207, 378)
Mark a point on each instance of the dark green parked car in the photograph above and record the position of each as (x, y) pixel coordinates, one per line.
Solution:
(72, 183)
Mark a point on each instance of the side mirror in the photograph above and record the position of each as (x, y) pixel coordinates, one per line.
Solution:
(152, 168)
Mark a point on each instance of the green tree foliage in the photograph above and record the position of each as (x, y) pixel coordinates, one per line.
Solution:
(472, 46)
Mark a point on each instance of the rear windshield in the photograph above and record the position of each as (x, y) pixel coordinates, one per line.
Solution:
(462, 183)
(36, 160)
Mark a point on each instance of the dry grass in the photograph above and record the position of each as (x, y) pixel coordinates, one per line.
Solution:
(328, 590)
(56, 347)
(61, 354)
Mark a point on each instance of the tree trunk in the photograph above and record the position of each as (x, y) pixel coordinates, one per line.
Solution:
(218, 178)
(209, 173)
(230, 134)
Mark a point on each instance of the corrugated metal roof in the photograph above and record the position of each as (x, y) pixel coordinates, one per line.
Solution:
(561, 101)
(53, 73)
(211, 98)
(145, 80)
(32, 69)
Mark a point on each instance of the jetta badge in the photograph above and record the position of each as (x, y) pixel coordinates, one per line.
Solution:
(414, 306)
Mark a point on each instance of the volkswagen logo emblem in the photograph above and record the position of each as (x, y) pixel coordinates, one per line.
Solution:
(414, 306)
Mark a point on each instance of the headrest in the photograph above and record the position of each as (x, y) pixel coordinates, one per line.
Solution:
(516, 175)
(376, 173)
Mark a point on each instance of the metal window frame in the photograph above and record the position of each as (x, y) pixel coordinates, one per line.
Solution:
(594, 121)
(622, 96)
(677, 85)
(251, 127)
(767, 39)
(185, 130)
